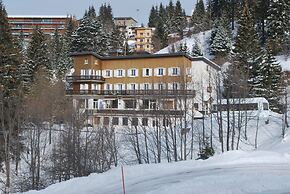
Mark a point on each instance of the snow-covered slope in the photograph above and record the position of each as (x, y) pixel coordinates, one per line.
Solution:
(235, 172)
(201, 38)
(266, 170)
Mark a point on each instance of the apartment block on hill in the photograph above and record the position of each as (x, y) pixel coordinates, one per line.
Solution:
(136, 90)
(24, 24)
(143, 38)
(123, 22)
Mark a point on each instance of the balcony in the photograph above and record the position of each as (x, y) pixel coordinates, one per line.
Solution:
(155, 94)
(108, 112)
(86, 78)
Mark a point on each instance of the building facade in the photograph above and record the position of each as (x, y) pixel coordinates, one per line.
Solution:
(143, 38)
(26, 24)
(132, 90)
(123, 22)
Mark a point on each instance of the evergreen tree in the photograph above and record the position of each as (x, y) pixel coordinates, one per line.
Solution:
(153, 17)
(106, 18)
(60, 60)
(37, 54)
(220, 44)
(183, 48)
(10, 56)
(261, 13)
(196, 50)
(180, 18)
(246, 49)
(117, 40)
(269, 80)
(91, 13)
(90, 36)
(278, 25)
(198, 18)
(169, 21)
(10, 60)
(67, 45)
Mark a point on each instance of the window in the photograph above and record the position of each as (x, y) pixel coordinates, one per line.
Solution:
(195, 106)
(141, 40)
(120, 87)
(133, 72)
(115, 121)
(160, 86)
(141, 46)
(106, 120)
(141, 34)
(153, 104)
(130, 103)
(265, 106)
(145, 104)
(134, 121)
(175, 86)
(147, 72)
(97, 120)
(86, 61)
(146, 86)
(125, 121)
(160, 71)
(133, 86)
(175, 71)
(108, 87)
(154, 123)
(144, 121)
(108, 73)
(115, 103)
(148, 46)
(95, 103)
(120, 73)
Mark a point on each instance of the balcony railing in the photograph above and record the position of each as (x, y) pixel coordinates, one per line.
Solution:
(92, 112)
(85, 78)
(132, 93)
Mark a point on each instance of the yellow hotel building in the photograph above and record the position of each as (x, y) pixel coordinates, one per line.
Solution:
(131, 90)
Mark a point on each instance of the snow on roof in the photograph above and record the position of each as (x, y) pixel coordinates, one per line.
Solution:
(284, 61)
(38, 16)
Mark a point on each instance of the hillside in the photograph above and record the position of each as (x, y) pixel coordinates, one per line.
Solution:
(265, 170)
(202, 39)
(236, 172)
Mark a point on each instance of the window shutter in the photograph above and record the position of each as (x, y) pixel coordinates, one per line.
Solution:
(137, 72)
(170, 71)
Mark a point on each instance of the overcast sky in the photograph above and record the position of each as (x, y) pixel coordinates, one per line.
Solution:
(78, 7)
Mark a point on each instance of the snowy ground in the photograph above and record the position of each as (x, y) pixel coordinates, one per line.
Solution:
(201, 38)
(266, 171)
(284, 62)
